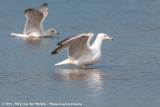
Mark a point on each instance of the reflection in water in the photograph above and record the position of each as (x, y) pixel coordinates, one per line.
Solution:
(33, 44)
(91, 76)
(81, 74)
(51, 37)
(37, 42)
(34, 41)
(34, 84)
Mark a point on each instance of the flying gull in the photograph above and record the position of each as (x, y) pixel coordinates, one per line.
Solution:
(34, 23)
(80, 52)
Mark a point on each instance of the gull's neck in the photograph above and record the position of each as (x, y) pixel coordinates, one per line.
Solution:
(97, 44)
(45, 33)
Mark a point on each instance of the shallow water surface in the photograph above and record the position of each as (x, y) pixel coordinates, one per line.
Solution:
(126, 76)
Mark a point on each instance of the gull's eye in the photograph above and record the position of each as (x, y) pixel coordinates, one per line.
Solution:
(104, 35)
(52, 30)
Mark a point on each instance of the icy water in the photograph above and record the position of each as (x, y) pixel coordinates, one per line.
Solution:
(128, 74)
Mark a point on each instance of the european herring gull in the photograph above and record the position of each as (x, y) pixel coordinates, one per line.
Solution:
(34, 23)
(80, 52)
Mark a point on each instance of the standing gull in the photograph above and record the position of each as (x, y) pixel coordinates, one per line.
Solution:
(34, 23)
(80, 52)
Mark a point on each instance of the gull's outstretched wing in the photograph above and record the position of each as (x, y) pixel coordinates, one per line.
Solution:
(44, 10)
(77, 45)
(35, 19)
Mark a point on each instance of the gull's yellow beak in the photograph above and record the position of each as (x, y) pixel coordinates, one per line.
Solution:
(110, 38)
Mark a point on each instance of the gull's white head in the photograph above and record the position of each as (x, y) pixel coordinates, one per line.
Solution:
(103, 36)
(51, 32)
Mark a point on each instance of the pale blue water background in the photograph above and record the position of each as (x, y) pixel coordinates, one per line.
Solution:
(128, 74)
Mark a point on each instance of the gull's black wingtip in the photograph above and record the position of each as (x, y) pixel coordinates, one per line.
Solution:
(54, 52)
(28, 9)
(59, 43)
(45, 4)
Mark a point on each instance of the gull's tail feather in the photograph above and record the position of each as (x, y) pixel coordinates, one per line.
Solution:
(18, 35)
(65, 62)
